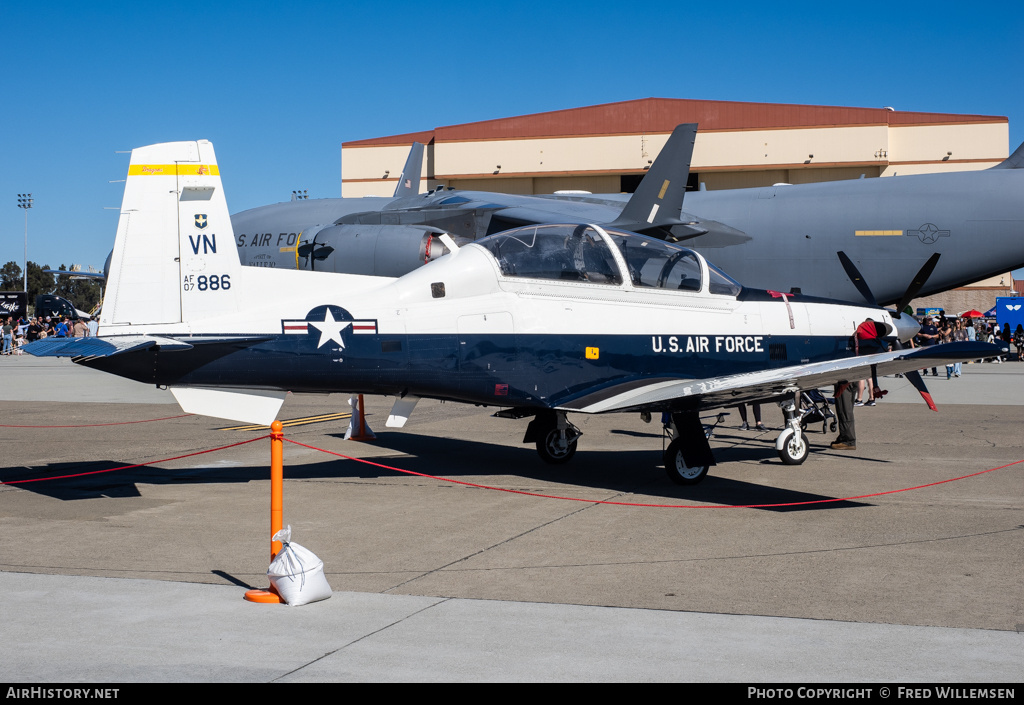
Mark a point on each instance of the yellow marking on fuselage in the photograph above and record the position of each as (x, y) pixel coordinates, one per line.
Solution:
(173, 170)
(876, 233)
(292, 249)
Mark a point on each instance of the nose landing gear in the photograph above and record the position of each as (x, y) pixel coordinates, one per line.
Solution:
(791, 444)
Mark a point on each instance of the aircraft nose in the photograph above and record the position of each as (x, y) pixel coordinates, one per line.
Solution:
(906, 327)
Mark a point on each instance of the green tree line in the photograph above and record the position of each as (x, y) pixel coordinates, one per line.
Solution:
(84, 294)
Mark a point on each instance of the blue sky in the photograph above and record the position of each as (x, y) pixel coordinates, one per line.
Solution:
(277, 87)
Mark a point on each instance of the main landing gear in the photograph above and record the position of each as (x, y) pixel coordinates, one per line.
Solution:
(688, 457)
(677, 469)
(554, 435)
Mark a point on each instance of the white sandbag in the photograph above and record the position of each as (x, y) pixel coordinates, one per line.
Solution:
(296, 573)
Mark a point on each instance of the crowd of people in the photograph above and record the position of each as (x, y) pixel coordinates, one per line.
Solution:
(24, 330)
(943, 330)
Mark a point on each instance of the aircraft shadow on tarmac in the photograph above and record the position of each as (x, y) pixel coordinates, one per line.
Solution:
(629, 472)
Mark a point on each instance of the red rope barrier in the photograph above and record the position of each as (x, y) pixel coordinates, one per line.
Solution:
(93, 425)
(137, 465)
(639, 504)
(521, 492)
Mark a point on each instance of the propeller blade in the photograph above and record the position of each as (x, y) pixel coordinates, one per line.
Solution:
(856, 278)
(322, 253)
(914, 377)
(917, 284)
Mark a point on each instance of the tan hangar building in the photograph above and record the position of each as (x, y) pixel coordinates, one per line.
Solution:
(607, 148)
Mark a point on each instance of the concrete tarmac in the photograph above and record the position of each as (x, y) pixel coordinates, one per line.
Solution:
(138, 574)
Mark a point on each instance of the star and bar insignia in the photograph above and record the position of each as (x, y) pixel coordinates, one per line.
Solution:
(329, 326)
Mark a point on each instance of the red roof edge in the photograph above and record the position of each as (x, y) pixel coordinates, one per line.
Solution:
(661, 115)
(426, 137)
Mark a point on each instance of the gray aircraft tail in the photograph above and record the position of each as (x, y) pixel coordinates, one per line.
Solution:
(658, 200)
(409, 181)
(1014, 161)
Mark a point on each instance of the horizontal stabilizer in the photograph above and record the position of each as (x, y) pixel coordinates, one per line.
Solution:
(245, 406)
(99, 347)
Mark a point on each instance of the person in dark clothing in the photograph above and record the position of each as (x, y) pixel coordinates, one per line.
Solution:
(929, 335)
(742, 408)
(34, 329)
(847, 438)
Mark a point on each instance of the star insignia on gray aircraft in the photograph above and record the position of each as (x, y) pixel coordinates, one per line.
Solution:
(929, 233)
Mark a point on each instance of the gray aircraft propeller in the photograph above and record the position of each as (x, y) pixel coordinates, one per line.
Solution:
(916, 284)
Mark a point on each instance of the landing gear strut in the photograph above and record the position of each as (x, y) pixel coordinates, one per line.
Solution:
(791, 443)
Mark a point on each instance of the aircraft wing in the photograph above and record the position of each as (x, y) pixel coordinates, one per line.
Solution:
(662, 394)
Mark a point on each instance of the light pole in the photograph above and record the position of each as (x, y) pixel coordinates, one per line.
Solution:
(25, 201)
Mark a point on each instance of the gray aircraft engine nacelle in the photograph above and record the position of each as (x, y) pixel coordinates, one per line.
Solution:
(379, 250)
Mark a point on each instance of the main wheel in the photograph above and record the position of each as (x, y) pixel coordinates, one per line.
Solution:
(794, 451)
(677, 469)
(555, 450)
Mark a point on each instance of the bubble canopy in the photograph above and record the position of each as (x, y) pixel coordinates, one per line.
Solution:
(589, 253)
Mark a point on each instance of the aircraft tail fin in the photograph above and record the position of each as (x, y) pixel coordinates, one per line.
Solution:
(658, 200)
(409, 181)
(174, 256)
(1014, 161)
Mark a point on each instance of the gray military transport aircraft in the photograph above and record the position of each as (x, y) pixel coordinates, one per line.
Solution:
(539, 321)
(787, 237)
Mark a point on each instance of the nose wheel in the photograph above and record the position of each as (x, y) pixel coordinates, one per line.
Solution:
(791, 444)
(792, 447)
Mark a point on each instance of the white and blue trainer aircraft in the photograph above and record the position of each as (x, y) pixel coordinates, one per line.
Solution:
(540, 321)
